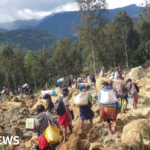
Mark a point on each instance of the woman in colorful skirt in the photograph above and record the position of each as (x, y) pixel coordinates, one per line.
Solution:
(110, 111)
(85, 111)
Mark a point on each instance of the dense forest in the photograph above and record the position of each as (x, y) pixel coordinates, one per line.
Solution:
(28, 39)
(100, 42)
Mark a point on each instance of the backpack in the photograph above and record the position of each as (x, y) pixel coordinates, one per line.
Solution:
(133, 90)
(59, 107)
(119, 90)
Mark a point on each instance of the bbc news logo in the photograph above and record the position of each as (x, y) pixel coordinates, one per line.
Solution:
(9, 140)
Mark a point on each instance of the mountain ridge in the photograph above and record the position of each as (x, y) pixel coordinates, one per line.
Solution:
(60, 24)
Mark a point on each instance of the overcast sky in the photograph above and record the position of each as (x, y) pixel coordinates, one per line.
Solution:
(36, 9)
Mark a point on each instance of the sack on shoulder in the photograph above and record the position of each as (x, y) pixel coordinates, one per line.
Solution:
(108, 97)
(119, 90)
(102, 113)
(81, 99)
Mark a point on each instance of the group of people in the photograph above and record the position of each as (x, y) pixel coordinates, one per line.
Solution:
(25, 89)
(114, 74)
(121, 90)
(65, 115)
(64, 120)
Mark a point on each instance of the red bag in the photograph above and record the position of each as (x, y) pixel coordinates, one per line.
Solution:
(42, 142)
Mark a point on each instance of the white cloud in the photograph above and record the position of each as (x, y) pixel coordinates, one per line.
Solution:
(36, 9)
(121, 3)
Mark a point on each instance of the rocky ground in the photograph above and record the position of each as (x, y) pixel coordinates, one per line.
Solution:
(92, 137)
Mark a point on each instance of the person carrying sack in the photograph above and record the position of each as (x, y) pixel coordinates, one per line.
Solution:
(122, 90)
(85, 111)
(108, 111)
(41, 123)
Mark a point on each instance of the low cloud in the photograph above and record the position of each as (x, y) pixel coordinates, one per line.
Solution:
(11, 10)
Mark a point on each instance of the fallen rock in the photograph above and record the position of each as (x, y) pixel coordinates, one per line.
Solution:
(96, 145)
(24, 111)
(99, 82)
(9, 105)
(14, 131)
(30, 103)
(54, 99)
(96, 108)
(131, 131)
(74, 143)
(137, 73)
(31, 142)
(12, 113)
(39, 102)
(134, 114)
(14, 99)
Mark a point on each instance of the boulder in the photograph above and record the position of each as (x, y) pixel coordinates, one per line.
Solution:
(39, 102)
(31, 142)
(54, 99)
(71, 91)
(137, 73)
(131, 131)
(97, 120)
(96, 145)
(9, 105)
(24, 111)
(14, 131)
(11, 113)
(14, 99)
(30, 103)
(147, 87)
(134, 114)
(58, 91)
(96, 107)
(99, 82)
(74, 143)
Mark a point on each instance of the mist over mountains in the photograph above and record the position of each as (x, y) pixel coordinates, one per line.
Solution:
(60, 24)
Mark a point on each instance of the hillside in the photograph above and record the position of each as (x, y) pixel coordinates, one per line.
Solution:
(28, 39)
(60, 24)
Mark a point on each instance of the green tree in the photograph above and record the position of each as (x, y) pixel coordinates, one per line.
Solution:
(6, 54)
(31, 62)
(123, 26)
(93, 21)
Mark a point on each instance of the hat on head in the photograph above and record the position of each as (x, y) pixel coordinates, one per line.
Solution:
(64, 90)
